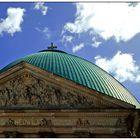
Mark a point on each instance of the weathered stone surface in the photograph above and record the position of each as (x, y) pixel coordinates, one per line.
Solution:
(97, 123)
(27, 91)
(60, 122)
(36, 105)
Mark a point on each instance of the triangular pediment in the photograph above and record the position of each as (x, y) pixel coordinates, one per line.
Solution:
(27, 86)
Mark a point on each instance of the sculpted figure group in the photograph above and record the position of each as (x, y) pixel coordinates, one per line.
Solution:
(28, 91)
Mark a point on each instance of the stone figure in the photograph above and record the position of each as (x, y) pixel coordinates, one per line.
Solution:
(34, 92)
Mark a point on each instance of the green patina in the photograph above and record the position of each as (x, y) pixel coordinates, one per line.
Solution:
(79, 71)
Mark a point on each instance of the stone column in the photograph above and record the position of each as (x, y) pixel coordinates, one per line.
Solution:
(133, 122)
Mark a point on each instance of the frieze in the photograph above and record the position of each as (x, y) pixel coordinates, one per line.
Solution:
(55, 122)
(28, 91)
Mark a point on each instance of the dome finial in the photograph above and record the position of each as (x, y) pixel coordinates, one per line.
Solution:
(52, 47)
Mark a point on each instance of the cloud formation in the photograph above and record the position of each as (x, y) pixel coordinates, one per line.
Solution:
(41, 6)
(121, 65)
(67, 38)
(45, 31)
(118, 20)
(77, 47)
(12, 23)
(95, 43)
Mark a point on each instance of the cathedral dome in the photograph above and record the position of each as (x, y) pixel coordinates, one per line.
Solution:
(79, 71)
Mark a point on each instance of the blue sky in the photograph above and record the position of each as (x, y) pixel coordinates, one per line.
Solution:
(98, 32)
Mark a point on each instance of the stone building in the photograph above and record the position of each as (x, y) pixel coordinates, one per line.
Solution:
(55, 94)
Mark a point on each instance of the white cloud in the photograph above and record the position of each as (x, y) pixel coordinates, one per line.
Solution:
(95, 43)
(121, 65)
(118, 20)
(41, 6)
(12, 23)
(67, 38)
(45, 31)
(77, 47)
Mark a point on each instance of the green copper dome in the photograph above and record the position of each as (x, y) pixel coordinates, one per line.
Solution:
(79, 71)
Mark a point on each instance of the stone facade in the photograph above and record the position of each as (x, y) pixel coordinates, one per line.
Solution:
(66, 122)
(36, 103)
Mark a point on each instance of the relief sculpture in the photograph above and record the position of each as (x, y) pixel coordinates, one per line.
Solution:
(28, 91)
(82, 123)
(45, 122)
(10, 122)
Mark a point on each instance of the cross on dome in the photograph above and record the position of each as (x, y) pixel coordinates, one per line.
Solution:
(52, 47)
